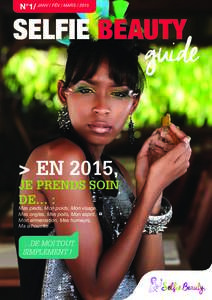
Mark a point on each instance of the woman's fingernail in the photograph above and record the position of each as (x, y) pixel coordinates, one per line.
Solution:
(187, 139)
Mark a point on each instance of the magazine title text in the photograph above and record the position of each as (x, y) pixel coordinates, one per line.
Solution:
(149, 29)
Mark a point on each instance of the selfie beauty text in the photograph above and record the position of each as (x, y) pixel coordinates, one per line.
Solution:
(149, 29)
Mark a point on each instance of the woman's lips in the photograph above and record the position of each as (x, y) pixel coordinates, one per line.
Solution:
(100, 127)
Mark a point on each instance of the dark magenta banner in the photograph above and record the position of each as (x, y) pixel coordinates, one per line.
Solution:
(54, 6)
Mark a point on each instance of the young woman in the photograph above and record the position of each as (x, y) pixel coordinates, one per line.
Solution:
(122, 240)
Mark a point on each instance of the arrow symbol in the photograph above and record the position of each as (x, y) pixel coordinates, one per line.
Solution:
(25, 170)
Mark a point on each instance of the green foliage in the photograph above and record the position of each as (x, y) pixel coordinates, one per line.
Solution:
(33, 74)
(177, 87)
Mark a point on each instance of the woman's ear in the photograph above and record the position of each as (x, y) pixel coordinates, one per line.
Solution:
(134, 105)
(61, 91)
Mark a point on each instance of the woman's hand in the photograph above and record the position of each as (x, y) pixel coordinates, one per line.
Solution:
(175, 163)
(158, 145)
(171, 166)
(155, 147)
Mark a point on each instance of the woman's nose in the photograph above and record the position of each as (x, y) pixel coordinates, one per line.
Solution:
(101, 105)
(101, 110)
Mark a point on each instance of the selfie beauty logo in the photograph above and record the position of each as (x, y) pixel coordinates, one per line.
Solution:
(174, 285)
(95, 22)
(157, 285)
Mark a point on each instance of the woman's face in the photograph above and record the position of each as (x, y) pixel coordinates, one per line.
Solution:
(98, 108)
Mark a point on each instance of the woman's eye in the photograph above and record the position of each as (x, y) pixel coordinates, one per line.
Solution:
(84, 90)
(120, 94)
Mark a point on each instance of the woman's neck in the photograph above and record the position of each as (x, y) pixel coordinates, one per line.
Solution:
(96, 151)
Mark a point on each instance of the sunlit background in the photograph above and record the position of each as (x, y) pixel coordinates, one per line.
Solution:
(177, 87)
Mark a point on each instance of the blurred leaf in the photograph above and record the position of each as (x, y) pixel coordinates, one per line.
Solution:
(34, 74)
(180, 88)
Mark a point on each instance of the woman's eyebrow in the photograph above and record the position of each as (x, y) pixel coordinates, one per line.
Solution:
(96, 82)
(90, 81)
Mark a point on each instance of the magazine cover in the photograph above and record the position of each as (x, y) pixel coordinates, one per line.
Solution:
(106, 150)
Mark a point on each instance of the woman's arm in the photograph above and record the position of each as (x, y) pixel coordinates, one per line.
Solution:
(147, 259)
(97, 274)
(150, 254)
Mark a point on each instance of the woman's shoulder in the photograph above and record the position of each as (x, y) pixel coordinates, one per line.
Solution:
(60, 148)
